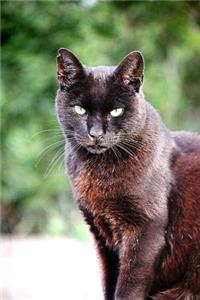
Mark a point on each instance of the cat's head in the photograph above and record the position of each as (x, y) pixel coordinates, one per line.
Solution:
(99, 108)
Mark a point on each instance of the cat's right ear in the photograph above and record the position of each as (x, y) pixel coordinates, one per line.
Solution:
(69, 69)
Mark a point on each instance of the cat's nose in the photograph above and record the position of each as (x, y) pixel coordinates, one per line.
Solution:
(96, 134)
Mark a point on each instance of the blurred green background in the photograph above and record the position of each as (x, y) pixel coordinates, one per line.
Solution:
(36, 197)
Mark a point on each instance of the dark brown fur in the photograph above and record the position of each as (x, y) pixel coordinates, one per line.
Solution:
(143, 207)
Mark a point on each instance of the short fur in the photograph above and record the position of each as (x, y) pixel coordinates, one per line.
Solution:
(137, 183)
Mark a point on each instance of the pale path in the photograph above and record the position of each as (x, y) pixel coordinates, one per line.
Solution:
(48, 269)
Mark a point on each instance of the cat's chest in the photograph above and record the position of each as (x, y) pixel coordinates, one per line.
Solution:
(92, 185)
(108, 203)
(99, 188)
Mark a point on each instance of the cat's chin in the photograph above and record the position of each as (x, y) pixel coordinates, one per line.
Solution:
(96, 149)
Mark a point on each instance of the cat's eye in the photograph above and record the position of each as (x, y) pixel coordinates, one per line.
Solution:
(117, 112)
(79, 110)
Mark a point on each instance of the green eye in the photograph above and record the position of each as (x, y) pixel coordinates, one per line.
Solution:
(117, 112)
(79, 110)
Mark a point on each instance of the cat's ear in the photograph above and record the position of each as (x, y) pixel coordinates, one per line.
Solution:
(130, 71)
(69, 69)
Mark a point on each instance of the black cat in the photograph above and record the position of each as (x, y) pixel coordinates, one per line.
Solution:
(137, 183)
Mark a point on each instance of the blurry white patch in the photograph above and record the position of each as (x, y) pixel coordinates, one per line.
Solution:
(48, 268)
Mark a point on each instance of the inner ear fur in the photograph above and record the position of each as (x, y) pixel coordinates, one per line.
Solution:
(69, 69)
(130, 71)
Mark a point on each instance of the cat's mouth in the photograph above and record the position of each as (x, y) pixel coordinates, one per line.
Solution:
(96, 149)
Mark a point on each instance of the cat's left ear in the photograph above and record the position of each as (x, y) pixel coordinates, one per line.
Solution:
(130, 71)
(69, 69)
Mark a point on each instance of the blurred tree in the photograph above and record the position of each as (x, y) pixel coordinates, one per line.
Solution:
(35, 195)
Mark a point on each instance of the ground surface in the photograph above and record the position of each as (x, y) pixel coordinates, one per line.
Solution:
(48, 269)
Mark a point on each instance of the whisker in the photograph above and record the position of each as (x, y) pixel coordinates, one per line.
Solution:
(55, 162)
(132, 145)
(61, 163)
(115, 153)
(47, 149)
(46, 131)
(125, 149)
(133, 156)
(56, 158)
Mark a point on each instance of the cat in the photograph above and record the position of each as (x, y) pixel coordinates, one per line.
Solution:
(136, 182)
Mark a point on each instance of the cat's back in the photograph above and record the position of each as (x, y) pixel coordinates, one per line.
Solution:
(185, 165)
(187, 142)
(183, 232)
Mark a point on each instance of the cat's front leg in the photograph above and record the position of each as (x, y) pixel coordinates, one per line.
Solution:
(108, 258)
(137, 258)
(129, 286)
(109, 263)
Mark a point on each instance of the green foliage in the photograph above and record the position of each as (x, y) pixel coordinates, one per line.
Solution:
(168, 34)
